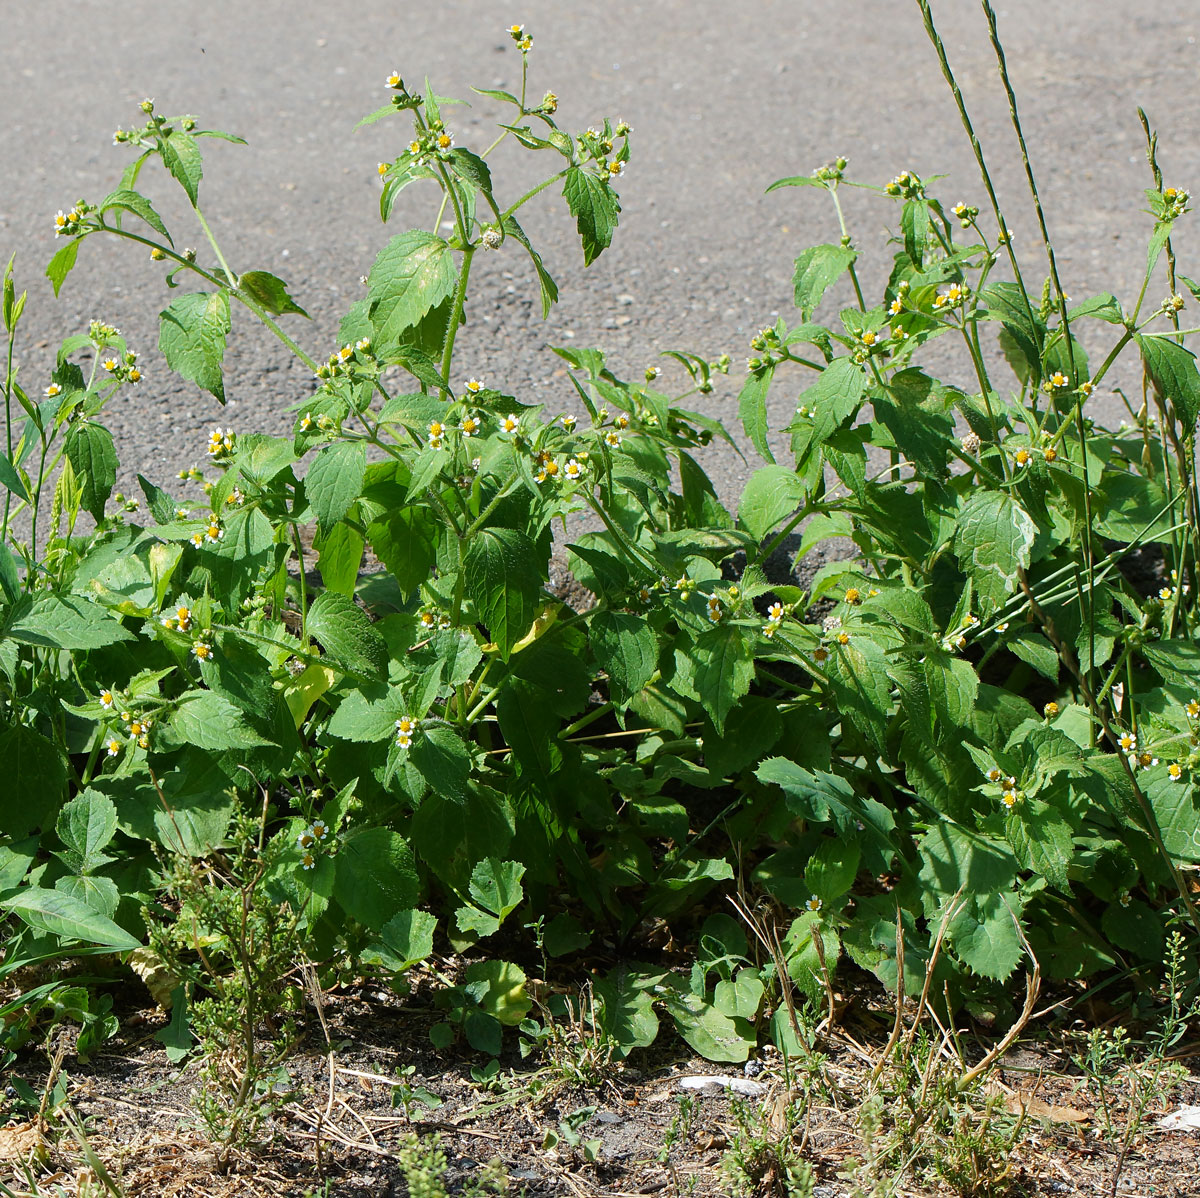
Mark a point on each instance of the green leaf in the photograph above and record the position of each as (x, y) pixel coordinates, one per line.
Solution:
(752, 409)
(497, 891)
(828, 798)
(181, 156)
(346, 634)
(334, 480)
(1174, 805)
(1177, 661)
(63, 622)
(176, 1037)
(404, 941)
(1033, 649)
(269, 292)
(816, 269)
(62, 264)
(626, 648)
(85, 825)
(1103, 307)
(503, 571)
(992, 539)
(192, 338)
(1172, 368)
(413, 273)
(68, 918)
(499, 989)
(771, 493)
(162, 507)
(11, 479)
(10, 580)
(405, 540)
(914, 224)
(133, 201)
(595, 207)
(716, 1037)
(548, 286)
(42, 770)
(209, 721)
(442, 759)
(90, 450)
(985, 936)
(376, 876)
(834, 397)
(723, 670)
(625, 1002)
(339, 557)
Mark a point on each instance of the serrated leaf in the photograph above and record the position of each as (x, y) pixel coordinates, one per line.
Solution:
(834, 397)
(162, 507)
(64, 622)
(724, 669)
(376, 876)
(85, 825)
(771, 493)
(404, 941)
(269, 292)
(405, 540)
(993, 538)
(334, 480)
(595, 207)
(1172, 368)
(67, 917)
(817, 268)
(548, 285)
(181, 156)
(626, 648)
(89, 448)
(42, 769)
(129, 200)
(62, 264)
(985, 936)
(1033, 649)
(1103, 307)
(192, 338)
(209, 721)
(752, 409)
(345, 632)
(503, 571)
(413, 273)
(828, 798)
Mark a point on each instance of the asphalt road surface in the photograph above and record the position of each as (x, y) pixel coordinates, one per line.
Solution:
(723, 99)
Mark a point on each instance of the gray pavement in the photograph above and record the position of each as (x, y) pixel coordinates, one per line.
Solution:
(722, 101)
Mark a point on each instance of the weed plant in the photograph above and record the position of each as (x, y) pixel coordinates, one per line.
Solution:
(981, 760)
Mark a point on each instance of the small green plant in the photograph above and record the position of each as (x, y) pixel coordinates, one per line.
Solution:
(422, 1163)
(763, 1157)
(681, 1127)
(231, 948)
(570, 1134)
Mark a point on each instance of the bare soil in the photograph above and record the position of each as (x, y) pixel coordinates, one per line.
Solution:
(339, 1123)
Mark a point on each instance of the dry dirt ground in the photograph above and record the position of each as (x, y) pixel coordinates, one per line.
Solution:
(340, 1122)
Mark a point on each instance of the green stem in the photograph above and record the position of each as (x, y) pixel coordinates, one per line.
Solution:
(230, 277)
(460, 296)
(530, 194)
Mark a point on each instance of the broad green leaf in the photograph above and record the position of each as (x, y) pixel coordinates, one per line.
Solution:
(1172, 369)
(497, 891)
(752, 409)
(376, 876)
(831, 870)
(64, 622)
(858, 676)
(451, 836)
(625, 1001)
(499, 989)
(915, 225)
(129, 200)
(828, 798)
(816, 269)
(209, 721)
(985, 936)
(346, 634)
(404, 941)
(1177, 661)
(192, 338)
(359, 719)
(67, 917)
(1007, 303)
(625, 646)
(339, 557)
(405, 540)
(10, 580)
(1033, 649)
(442, 759)
(97, 892)
(503, 572)
(1175, 811)
(181, 156)
(11, 479)
(41, 768)
(834, 397)
(770, 494)
(334, 480)
(413, 273)
(269, 292)
(723, 670)
(595, 207)
(162, 507)
(90, 450)
(85, 825)
(62, 264)
(713, 1035)
(993, 538)
(1103, 307)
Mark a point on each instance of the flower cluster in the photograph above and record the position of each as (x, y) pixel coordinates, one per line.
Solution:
(347, 361)
(1175, 201)
(406, 729)
(181, 621)
(905, 184)
(123, 369)
(311, 839)
(130, 727)
(952, 297)
(212, 535)
(202, 646)
(774, 619)
(67, 224)
(598, 144)
(220, 443)
(524, 40)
